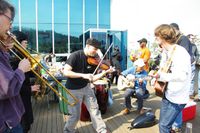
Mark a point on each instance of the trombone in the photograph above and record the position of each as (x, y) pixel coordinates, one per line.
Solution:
(34, 63)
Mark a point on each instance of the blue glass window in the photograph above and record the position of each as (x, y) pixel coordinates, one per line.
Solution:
(28, 17)
(76, 25)
(16, 19)
(90, 14)
(61, 26)
(45, 26)
(104, 14)
(61, 42)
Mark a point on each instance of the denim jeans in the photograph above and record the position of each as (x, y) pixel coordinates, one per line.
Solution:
(168, 113)
(17, 129)
(178, 122)
(199, 84)
(193, 67)
(87, 96)
(140, 97)
(110, 98)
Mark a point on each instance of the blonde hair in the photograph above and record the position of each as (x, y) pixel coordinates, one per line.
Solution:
(166, 32)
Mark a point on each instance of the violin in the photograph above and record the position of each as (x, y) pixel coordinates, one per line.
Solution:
(95, 62)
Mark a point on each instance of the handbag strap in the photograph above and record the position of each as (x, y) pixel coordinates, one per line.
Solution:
(168, 62)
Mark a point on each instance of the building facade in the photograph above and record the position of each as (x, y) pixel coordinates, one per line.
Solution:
(58, 26)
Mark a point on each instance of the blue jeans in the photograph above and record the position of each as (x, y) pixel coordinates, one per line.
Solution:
(168, 113)
(140, 96)
(17, 129)
(178, 122)
(199, 84)
(192, 79)
(110, 98)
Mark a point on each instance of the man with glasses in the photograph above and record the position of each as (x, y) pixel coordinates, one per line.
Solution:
(11, 106)
(9, 18)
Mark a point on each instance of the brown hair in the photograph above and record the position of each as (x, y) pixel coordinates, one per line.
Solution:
(4, 6)
(166, 32)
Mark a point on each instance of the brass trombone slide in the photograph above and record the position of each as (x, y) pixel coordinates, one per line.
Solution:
(34, 63)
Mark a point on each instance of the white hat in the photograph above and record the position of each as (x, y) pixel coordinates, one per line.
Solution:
(139, 63)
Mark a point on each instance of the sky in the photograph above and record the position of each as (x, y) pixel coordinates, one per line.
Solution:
(141, 17)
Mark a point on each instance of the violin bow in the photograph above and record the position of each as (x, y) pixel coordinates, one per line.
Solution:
(102, 58)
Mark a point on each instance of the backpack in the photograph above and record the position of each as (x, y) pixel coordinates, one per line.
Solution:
(144, 120)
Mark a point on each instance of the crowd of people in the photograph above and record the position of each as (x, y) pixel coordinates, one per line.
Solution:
(177, 74)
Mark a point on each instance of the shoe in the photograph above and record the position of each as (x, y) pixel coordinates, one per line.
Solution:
(176, 130)
(125, 111)
(197, 100)
(147, 109)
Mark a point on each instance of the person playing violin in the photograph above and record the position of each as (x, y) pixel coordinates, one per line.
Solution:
(79, 77)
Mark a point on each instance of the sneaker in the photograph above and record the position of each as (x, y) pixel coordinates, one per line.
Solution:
(176, 130)
(125, 111)
(147, 109)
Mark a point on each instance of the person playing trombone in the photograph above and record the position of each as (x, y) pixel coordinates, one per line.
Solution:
(11, 106)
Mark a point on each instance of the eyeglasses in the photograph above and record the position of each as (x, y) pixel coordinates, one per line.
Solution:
(10, 19)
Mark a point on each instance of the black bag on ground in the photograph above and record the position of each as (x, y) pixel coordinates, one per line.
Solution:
(144, 120)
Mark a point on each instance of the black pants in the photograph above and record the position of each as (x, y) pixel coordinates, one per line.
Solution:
(114, 75)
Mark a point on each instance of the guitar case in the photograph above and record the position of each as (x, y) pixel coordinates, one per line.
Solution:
(146, 119)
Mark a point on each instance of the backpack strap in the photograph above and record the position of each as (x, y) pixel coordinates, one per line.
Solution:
(178, 38)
